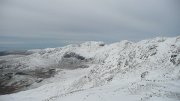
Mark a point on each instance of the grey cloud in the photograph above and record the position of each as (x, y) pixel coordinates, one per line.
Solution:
(106, 20)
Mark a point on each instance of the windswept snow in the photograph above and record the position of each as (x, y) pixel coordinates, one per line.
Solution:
(148, 70)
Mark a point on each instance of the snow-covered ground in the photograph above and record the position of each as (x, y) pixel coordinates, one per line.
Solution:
(148, 70)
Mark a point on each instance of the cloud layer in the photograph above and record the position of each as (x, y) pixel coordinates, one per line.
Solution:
(80, 20)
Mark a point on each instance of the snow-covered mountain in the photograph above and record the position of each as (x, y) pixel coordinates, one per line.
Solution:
(148, 70)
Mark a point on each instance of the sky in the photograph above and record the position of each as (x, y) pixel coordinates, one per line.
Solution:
(27, 24)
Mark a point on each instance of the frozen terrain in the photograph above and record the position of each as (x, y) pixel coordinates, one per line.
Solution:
(148, 70)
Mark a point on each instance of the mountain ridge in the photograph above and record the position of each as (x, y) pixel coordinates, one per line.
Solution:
(149, 69)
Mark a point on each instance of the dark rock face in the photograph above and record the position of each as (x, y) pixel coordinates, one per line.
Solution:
(21, 73)
(144, 74)
(73, 61)
(173, 59)
(102, 44)
(73, 55)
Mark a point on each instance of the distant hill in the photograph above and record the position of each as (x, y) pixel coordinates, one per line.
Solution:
(3, 53)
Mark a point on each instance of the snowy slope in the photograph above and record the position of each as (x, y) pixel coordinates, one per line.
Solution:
(148, 70)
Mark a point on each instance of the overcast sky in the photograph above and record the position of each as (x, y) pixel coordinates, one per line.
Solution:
(52, 23)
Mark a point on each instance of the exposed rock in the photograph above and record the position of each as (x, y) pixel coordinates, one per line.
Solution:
(73, 55)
